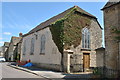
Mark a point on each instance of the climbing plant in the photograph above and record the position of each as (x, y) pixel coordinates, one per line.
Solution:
(72, 29)
(67, 30)
(116, 31)
(57, 33)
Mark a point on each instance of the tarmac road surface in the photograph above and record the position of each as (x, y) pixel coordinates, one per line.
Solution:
(9, 72)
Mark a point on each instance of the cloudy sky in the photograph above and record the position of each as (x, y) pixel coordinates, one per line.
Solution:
(23, 16)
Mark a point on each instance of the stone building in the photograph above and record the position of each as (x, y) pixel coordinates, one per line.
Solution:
(12, 46)
(17, 51)
(112, 35)
(5, 50)
(1, 51)
(65, 42)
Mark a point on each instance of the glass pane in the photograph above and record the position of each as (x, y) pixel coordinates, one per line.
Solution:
(43, 44)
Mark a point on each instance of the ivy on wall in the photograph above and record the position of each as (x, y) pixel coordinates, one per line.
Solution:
(116, 31)
(72, 29)
(67, 30)
(57, 33)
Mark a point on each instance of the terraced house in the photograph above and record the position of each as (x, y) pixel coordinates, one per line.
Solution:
(5, 50)
(12, 46)
(65, 42)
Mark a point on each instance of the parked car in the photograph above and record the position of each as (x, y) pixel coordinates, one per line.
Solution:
(2, 59)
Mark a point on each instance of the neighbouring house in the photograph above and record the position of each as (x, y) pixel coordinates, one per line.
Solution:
(12, 46)
(17, 51)
(5, 50)
(66, 42)
(1, 51)
(112, 37)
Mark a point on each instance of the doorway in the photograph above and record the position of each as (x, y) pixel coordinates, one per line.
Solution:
(86, 61)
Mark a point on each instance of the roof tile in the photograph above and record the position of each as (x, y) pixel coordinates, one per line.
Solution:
(59, 16)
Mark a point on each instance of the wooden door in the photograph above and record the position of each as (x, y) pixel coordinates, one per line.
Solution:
(86, 60)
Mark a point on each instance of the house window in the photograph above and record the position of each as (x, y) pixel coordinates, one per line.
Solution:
(43, 40)
(54, 50)
(24, 47)
(85, 38)
(32, 46)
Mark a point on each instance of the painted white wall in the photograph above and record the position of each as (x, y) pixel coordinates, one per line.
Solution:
(52, 56)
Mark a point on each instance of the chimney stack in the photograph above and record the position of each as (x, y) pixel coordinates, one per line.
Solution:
(20, 34)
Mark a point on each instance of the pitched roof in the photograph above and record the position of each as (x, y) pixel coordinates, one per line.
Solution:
(15, 40)
(6, 44)
(110, 3)
(59, 16)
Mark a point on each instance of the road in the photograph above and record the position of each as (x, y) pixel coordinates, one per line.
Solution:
(9, 72)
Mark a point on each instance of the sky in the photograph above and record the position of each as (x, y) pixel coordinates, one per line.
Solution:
(23, 16)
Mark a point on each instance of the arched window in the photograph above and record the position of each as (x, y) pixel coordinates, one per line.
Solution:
(24, 47)
(42, 47)
(32, 46)
(85, 38)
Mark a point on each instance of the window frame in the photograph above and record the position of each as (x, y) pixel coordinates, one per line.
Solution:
(24, 47)
(32, 46)
(42, 44)
(85, 38)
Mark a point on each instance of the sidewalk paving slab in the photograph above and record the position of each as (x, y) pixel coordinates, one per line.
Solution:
(52, 74)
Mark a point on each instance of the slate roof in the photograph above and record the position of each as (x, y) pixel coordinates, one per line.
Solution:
(15, 40)
(59, 16)
(6, 44)
(110, 3)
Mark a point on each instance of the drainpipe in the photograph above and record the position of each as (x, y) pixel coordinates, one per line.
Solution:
(104, 64)
(118, 59)
(62, 66)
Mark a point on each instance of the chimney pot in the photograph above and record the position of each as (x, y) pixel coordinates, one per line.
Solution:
(20, 34)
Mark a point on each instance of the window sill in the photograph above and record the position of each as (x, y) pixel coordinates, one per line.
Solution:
(31, 54)
(85, 49)
(42, 53)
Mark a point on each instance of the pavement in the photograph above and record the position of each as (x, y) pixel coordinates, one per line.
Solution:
(52, 74)
(9, 72)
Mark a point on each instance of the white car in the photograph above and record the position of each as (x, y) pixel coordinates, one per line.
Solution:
(2, 59)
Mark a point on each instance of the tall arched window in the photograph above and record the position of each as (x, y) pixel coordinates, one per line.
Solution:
(24, 47)
(32, 46)
(42, 47)
(85, 38)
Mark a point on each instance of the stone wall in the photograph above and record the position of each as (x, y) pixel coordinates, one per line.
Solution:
(10, 52)
(111, 19)
(111, 22)
(1, 51)
(55, 67)
(96, 42)
(76, 64)
(119, 56)
(100, 55)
